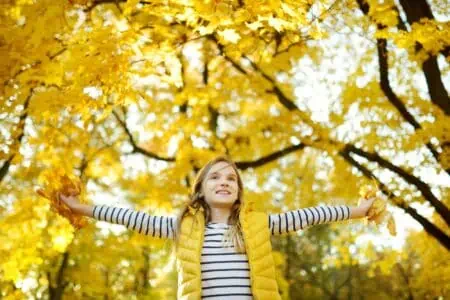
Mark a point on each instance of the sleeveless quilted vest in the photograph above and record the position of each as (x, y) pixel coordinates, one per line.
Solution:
(256, 233)
(189, 251)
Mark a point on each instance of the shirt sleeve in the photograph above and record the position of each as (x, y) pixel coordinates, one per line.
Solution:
(144, 223)
(302, 218)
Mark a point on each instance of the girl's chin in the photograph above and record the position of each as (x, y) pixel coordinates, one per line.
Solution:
(222, 201)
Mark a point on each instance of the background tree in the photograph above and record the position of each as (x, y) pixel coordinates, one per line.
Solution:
(312, 99)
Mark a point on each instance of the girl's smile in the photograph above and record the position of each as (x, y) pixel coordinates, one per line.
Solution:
(220, 187)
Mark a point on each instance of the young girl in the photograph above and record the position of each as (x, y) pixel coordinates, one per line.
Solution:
(222, 245)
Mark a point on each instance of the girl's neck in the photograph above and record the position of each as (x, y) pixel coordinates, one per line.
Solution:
(220, 215)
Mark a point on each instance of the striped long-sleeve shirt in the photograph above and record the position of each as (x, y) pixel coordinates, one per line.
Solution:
(225, 272)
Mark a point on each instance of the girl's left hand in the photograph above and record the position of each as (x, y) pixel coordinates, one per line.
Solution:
(364, 205)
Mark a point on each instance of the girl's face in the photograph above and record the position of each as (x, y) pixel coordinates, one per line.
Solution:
(220, 186)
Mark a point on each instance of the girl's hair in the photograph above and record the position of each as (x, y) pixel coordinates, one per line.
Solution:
(197, 200)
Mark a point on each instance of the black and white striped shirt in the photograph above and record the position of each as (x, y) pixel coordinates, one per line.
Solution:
(225, 272)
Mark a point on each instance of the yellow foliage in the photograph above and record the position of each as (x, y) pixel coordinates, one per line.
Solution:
(61, 238)
(384, 13)
(197, 79)
(57, 182)
(440, 129)
(431, 34)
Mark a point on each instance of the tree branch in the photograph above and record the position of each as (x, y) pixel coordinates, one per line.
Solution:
(439, 206)
(429, 227)
(385, 83)
(136, 148)
(21, 128)
(443, 211)
(284, 100)
(243, 165)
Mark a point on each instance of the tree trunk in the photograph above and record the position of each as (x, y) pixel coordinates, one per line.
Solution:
(56, 290)
(415, 11)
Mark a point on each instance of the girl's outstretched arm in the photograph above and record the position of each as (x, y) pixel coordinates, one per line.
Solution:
(305, 217)
(144, 223)
(302, 218)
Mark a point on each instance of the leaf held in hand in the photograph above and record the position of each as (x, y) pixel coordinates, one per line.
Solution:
(57, 182)
(378, 212)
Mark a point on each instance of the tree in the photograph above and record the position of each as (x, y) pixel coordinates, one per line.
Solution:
(135, 96)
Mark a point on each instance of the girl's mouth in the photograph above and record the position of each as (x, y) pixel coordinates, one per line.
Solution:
(223, 192)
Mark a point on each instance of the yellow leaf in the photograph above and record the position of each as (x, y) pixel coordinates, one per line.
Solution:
(391, 226)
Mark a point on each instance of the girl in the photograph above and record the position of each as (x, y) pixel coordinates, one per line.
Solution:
(222, 245)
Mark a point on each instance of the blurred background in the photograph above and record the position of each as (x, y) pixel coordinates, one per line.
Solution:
(313, 99)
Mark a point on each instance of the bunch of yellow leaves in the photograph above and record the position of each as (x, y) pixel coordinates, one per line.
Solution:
(378, 212)
(57, 182)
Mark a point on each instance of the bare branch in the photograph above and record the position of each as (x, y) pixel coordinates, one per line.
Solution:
(21, 128)
(136, 148)
(439, 206)
(429, 227)
(269, 158)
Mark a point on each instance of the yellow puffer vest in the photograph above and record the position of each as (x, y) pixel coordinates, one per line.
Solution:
(256, 233)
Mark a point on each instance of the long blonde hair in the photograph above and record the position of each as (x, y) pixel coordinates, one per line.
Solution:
(197, 200)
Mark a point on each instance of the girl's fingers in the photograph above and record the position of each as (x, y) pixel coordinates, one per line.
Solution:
(370, 200)
(366, 204)
(62, 197)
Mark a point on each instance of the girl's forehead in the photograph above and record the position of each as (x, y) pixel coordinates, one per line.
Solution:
(223, 168)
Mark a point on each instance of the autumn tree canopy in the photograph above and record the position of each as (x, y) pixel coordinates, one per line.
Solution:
(311, 98)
